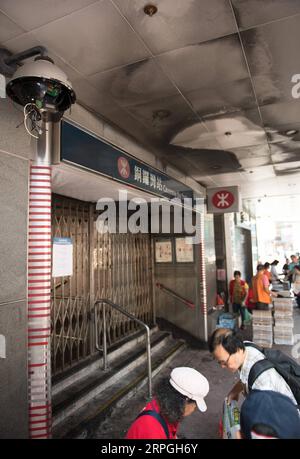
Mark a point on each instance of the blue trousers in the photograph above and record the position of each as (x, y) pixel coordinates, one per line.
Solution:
(238, 308)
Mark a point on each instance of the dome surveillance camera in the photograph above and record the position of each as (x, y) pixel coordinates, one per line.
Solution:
(42, 83)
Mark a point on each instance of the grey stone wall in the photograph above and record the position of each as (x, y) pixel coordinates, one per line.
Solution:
(15, 150)
(185, 280)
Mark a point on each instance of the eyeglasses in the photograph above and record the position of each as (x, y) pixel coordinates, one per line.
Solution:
(224, 363)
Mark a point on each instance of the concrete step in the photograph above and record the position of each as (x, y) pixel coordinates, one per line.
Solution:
(80, 414)
(68, 401)
(78, 373)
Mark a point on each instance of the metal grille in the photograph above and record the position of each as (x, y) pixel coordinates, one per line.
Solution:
(71, 295)
(122, 264)
(110, 266)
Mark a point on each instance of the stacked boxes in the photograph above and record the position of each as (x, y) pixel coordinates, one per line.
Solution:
(262, 322)
(284, 322)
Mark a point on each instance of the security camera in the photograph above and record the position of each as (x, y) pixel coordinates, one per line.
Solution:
(40, 82)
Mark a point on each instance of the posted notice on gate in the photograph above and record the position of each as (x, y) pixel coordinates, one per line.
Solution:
(62, 264)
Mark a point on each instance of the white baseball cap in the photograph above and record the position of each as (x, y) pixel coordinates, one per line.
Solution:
(190, 383)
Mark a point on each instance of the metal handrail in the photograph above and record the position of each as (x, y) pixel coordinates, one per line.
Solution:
(131, 316)
(170, 292)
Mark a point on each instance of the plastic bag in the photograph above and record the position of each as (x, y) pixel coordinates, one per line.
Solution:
(230, 420)
(247, 316)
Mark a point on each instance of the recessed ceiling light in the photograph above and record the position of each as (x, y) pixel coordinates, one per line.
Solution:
(150, 10)
(291, 132)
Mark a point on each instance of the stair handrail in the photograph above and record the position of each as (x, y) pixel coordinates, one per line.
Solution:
(170, 292)
(104, 349)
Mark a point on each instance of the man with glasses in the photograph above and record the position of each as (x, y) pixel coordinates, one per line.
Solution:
(231, 353)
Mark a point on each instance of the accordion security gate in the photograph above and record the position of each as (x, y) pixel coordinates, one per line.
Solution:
(110, 266)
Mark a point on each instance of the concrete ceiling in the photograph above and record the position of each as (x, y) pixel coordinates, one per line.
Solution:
(206, 83)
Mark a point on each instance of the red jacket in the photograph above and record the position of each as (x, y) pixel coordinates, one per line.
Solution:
(147, 427)
(231, 286)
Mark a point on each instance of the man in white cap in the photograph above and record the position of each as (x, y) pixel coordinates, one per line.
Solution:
(176, 397)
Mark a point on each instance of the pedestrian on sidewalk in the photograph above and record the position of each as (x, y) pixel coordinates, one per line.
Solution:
(238, 291)
(274, 273)
(230, 351)
(176, 397)
(261, 292)
(296, 284)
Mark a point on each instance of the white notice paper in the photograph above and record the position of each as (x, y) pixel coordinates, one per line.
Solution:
(62, 264)
(2, 347)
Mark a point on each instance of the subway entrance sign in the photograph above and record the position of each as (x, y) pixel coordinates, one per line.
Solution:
(223, 199)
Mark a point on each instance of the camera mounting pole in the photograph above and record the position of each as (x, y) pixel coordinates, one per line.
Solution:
(10, 62)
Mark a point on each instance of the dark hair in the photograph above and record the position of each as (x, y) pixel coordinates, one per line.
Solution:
(275, 262)
(267, 265)
(237, 273)
(229, 339)
(171, 402)
(260, 267)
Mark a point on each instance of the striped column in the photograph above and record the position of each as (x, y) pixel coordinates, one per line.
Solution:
(203, 295)
(39, 301)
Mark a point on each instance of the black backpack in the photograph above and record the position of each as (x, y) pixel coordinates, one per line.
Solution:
(284, 365)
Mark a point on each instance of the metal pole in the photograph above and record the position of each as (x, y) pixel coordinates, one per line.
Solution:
(104, 339)
(149, 362)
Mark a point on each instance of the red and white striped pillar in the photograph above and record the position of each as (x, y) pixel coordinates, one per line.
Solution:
(203, 294)
(39, 302)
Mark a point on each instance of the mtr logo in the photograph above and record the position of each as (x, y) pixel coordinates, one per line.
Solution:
(223, 199)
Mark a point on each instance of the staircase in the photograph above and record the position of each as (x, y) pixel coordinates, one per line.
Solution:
(83, 398)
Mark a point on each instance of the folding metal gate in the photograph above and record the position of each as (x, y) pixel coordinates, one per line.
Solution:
(111, 266)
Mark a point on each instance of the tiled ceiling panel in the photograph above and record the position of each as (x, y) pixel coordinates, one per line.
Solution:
(179, 23)
(94, 39)
(255, 151)
(31, 14)
(136, 83)
(272, 113)
(255, 162)
(207, 65)
(223, 98)
(164, 117)
(251, 13)
(273, 57)
(8, 29)
(287, 168)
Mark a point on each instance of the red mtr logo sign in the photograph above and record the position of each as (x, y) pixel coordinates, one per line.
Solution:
(123, 167)
(221, 200)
